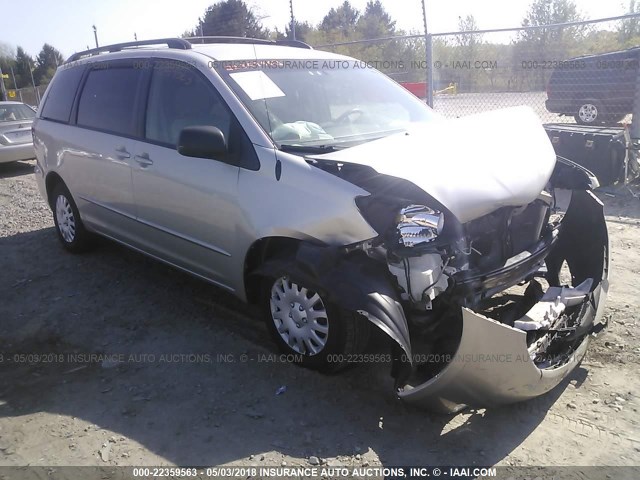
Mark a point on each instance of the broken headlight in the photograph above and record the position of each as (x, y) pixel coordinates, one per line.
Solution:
(418, 224)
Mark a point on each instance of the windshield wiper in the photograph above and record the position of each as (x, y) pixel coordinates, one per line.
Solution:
(310, 148)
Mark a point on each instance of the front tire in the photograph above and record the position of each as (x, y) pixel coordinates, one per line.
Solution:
(318, 334)
(69, 227)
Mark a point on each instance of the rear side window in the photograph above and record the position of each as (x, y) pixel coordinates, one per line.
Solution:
(108, 98)
(60, 97)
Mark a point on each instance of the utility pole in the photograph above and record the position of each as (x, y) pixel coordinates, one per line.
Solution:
(95, 34)
(428, 43)
(3, 90)
(293, 21)
(33, 82)
(15, 84)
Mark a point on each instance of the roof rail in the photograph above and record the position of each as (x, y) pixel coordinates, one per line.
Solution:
(294, 43)
(245, 40)
(178, 43)
(224, 39)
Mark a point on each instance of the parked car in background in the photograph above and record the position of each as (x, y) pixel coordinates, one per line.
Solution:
(16, 141)
(594, 89)
(338, 202)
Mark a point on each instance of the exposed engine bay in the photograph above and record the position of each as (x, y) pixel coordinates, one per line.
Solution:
(447, 293)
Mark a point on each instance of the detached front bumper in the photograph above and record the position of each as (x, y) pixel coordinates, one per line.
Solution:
(493, 364)
(491, 367)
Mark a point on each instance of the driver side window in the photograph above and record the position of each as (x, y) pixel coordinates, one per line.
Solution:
(180, 97)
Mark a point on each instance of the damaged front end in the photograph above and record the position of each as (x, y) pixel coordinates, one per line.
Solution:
(502, 308)
(495, 310)
(499, 309)
(524, 325)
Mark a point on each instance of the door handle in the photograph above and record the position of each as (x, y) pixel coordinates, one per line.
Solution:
(143, 160)
(121, 153)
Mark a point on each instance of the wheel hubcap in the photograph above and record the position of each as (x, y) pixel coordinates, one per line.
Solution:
(300, 317)
(66, 221)
(588, 112)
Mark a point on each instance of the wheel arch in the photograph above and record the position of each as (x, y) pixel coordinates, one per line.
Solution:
(52, 180)
(582, 97)
(258, 253)
(351, 281)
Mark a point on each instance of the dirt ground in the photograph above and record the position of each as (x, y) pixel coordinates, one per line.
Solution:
(184, 374)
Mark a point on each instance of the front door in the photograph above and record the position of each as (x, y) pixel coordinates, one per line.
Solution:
(187, 205)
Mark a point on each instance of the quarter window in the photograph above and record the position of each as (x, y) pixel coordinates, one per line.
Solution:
(59, 100)
(108, 100)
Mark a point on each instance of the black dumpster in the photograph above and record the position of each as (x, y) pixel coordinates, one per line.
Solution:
(599, 149)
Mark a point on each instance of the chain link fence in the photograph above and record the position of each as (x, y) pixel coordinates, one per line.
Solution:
(29, 95)
(583, 72)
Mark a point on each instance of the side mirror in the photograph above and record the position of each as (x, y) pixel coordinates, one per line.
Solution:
(202, 141)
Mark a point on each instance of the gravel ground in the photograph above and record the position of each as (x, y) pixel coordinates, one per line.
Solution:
(182, 373)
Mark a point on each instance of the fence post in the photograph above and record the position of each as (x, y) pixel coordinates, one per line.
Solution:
(635, 121)
(429, 48)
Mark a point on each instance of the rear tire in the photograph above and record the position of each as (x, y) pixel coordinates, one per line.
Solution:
(69, 227)
(589, 112)
(312, 331)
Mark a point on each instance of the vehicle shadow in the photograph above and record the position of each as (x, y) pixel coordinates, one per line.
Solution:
(188, 373)
(16, 169)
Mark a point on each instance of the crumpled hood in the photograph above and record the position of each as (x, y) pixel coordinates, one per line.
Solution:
(472, 165)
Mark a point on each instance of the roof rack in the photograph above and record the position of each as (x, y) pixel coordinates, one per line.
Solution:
(178, 43)
(184, 44)
(247, 40)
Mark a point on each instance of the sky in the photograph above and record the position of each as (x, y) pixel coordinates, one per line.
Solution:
(67, 24)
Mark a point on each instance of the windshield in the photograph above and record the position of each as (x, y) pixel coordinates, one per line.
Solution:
(327, 103)
(10, 112)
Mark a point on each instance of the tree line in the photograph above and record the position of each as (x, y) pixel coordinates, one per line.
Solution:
(27, 70)
(475, 62)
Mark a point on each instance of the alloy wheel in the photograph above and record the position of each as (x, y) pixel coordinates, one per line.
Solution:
(588, 113)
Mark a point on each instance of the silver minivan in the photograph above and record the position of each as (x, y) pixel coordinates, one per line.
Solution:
(314, 186)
